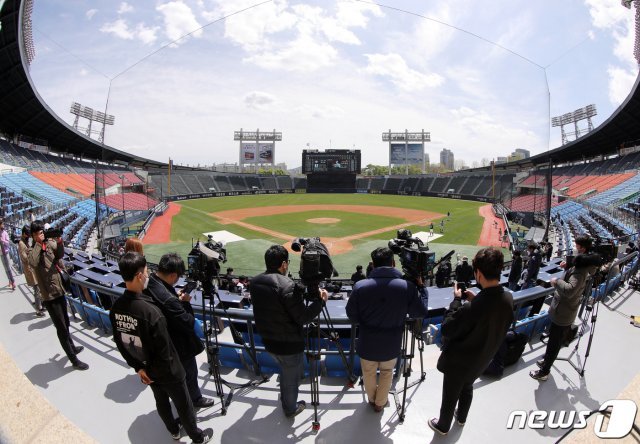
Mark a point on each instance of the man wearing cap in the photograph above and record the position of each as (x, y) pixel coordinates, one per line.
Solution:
(533, 266)
(464, 271)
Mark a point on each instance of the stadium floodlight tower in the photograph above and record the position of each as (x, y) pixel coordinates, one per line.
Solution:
(406, 148)
(636, 48)
(574, 117)
(92, 116)
(256, 147)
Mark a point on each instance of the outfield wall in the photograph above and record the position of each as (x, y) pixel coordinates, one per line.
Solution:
(181, 197)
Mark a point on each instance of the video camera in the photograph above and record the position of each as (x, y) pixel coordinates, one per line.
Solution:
(415, 258)
(203, 262)
(52, 233)
(315, 262)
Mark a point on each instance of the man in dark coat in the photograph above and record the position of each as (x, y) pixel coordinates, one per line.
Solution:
(464, 272)
(141, 335)
(472, 332)
(177, 309)
(358, 275)
(533, 266)
(380, 305)
(516, 270)
(566, 302)
(280, 315)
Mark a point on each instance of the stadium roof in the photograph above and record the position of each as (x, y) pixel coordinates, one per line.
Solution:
(22, 110)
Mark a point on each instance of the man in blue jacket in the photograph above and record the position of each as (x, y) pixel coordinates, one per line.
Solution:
(380, 305)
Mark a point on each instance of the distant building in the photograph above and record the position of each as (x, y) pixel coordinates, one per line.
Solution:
(519, 154)
(446, 159)
(501, 159)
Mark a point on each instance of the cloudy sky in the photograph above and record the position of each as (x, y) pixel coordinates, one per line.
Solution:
(481, 76)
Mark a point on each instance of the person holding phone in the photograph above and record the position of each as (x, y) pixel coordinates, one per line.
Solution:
(472, 332)
(176, 307)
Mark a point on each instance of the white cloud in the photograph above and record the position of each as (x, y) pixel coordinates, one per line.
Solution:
(145, 34)
(259, 100)
(303, 55)
(265, 32)
(620, 83)
(608, 15)
(323, 112)
(394, 67)
(125, 8)
(119, 28)
(178, 20)
(90, 13)
(84, 72)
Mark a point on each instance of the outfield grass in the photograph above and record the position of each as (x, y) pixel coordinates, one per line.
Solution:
(462, 230)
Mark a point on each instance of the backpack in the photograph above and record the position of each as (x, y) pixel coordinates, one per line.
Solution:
(508, 354)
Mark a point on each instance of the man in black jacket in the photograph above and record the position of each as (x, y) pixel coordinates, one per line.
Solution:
(140, 332)
(471, 334)
(280, 314)
(464, 272)
(179, 314)
(533, 266)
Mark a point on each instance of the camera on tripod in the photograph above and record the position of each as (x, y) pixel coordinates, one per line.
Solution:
(416, 259)
(315, 261)
(203, 263)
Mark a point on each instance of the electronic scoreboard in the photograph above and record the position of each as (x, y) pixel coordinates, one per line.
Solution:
(331, 162)
(331, 171)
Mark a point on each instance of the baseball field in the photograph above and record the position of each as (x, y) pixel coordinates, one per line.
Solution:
(351, 225)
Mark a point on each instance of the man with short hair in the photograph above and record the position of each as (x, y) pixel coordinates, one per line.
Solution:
(177, 309)
(566, 302)
(472, 332)
(23, 250)
(280, 315)
(141, 335)
(358, 275)
(380, 305)
(43, 259)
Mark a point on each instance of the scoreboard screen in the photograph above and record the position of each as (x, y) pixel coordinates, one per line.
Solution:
(331, 161)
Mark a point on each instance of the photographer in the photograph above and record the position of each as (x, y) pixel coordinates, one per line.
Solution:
(43, 259)
(177, 309)
(380, 305)
(4, 253)
(472, 332)
(23, 251)
(533, 266)
(280, 314)
(566, 302)
(464, 272)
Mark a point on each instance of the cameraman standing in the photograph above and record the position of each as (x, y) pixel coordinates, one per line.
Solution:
(566, 302)
(178, 311)
(280, 314)
(23, 251)
(472, 332)
(380, 305)
(43, 259)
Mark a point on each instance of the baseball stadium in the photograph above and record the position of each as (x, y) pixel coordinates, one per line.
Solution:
(82, 198)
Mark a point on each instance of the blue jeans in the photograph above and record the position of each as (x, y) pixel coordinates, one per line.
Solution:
(291, 372)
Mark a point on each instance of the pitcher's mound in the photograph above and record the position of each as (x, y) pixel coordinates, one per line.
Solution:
(323, 220)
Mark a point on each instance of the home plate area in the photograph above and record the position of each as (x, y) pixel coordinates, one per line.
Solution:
(224, 236)
(425, 237)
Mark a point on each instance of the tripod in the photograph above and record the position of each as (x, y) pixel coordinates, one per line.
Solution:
(412, 332)
(213, 348)
(313, 355)
(588, 314)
